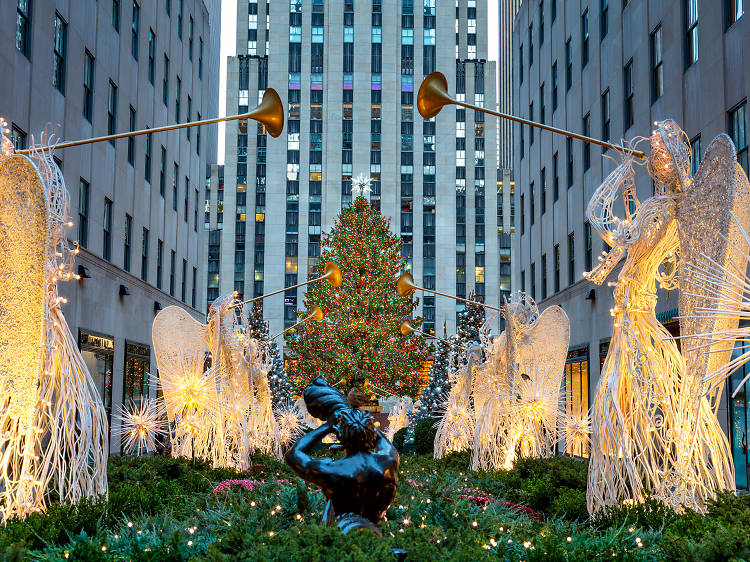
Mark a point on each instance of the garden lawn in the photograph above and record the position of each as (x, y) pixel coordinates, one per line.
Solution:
(163, 509)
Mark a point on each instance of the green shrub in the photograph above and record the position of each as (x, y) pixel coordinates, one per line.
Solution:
(399, 438)
(424, 436)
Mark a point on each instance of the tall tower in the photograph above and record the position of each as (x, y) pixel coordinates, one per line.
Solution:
(348, 73)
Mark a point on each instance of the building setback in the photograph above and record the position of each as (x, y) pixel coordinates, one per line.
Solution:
(93, 68)
(609, 70)
(348, 73)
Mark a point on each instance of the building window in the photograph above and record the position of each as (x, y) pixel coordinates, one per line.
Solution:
(116, 15)
(98, 351)
(556, 264)
(520, 64)
(531, 45)
(588, 242)
(112, 111)
(58, 69)
(171, 273)
(127, 242)
(159, 257)
(179, 25)
(628, 89)
(544, 276)
(134, 30)
(577, 392)
(555, 179)
(198, 137)
(195, 212)
(191, 36)
(543, 185)
(144, 255)
(738, 132)
(135, 378)
(568, 64)
(23, 27)
(569, 154)
(531, 202)
(696, 155)
(83, 213)
(187, 197)
(554, 10)
(194, 290)
(603, 18)
(131, 140)
(531, 129)
(523, 281)
(586, 145)
(107, 227)
(178, 95)
(532, 274)
(200, 58)
(151, 55)
(523, 215)
(88, 85)
(175, 187)
(554, 86)
(163, 172)
(605, 115)
(541, 21)
(691, 32)
(165, 82)
(187, 116)
(542, 107)
(183, 287)
(735, 10)
(585, 39)
(571, 258)
(657, 69)
(147, 159)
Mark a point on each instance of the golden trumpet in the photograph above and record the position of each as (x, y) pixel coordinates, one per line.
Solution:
(407, 328)
(433, 96)
(332, 275)
(269, 113)
(315, 314)
(405, 286)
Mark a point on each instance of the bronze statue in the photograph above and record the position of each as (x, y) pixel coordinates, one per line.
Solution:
(360, 486)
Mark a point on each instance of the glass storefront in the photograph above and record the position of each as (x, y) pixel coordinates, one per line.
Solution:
(137, 367)
(577, 392)
(98, 352)
(738, 415)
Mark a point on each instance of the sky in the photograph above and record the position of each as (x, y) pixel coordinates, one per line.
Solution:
(229, 43)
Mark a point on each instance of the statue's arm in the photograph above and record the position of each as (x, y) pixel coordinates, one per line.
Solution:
(384, 448)
(298, 457)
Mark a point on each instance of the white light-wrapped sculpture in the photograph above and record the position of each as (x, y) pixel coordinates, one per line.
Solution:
(54, 423)
(222, 413)
(655, 429)
(140, 425)
(517, 389)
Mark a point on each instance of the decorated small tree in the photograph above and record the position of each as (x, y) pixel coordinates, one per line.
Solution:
(433, 395)
(360, 342)
(282, 389)
(470, 321)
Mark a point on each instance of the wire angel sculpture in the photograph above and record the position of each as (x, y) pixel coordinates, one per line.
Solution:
(54, 423)
(399, 416)
(517, 389)
(655, 429)
(455, 428)
(222, 412)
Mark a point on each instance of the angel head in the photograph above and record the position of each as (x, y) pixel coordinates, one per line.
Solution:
(669, 160)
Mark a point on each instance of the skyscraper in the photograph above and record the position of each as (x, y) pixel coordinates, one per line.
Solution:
(348, 73)
(93, 68)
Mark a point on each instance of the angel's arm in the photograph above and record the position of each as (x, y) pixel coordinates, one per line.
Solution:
(600, 213)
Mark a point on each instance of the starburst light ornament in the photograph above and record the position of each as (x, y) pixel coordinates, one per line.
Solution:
(361, 186)
(140, 425)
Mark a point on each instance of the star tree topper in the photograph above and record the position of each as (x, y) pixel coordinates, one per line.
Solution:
(361, 186)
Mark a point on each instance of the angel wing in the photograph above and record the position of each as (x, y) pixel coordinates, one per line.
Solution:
(544, 343)
(179, 344)
(708, 233)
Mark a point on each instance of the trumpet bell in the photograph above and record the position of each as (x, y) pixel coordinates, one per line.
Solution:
(433, 95)
(333, 274)
(315, 313)
(405, 284)
(406, 328)
(270, 113)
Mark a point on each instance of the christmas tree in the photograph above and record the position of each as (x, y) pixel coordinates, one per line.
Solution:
(470, 321)
(360, 341)
(282, 389)
(433, 395)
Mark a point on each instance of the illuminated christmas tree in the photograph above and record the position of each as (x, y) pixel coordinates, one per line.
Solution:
(470, 320)
(360, 341)
(434, 394)
(282, 389)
